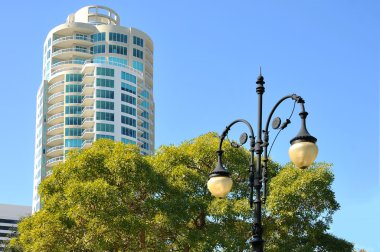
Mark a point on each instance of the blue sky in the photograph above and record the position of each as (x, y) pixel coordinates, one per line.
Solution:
(207, 58)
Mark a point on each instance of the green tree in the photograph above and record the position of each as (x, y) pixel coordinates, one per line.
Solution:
(101, 199)
(111, 198)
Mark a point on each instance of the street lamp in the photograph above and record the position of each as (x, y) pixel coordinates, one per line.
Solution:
(303, 151)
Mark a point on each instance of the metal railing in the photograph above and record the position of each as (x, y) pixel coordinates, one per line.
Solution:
(56, 159)
(55, 116)
(55, 127)
(51, 139)
(60, 147)
(59, 104)
(55, 95)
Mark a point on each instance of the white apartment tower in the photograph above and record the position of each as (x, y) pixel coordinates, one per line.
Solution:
(97, 83)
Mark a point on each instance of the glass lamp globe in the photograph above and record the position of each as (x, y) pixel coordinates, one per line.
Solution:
(303, 153)
(219, 186)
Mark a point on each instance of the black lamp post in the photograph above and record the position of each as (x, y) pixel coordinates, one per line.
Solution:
(302, 152)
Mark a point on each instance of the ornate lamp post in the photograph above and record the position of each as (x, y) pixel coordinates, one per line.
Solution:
(302, 152)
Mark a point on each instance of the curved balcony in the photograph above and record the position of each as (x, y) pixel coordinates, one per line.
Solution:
(69, 53)
(88, 122)
(69, 41)
(55, 151)
(53, 161)
(88, 89)
(88, 134)
(57, 118)
(56, 129)
(55, 140)
(88, 78)
(57, 97)
(48, 173)
(66, 63)
(56, 87)
(88, 100)
(88, 111)
(87, 143)
(58, 72)
(56, 108)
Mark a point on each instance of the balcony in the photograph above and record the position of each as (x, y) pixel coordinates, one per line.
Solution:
(57, 97)
(87, 144)
(88, 100)
(88, 134)
(70, 41)
(70, 53)
(56, 108)
(55, 140)
(88, 89)
(88, 78)
(88, 122)
(56, 87)
(65, 64)
(55, 151)
(88, 111)
(57, 118)
(56, 129)
(53, 161)
(48, 173)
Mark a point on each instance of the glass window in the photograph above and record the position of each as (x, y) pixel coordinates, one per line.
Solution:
(104, 83)
(118, 37)
(145, 146)
(73, 143)
(73, 120)
(104, 105)
(145, 125)
(73, 132)
(105, 127)
(127, 141)
(98, 37)
(104, 116)
(128, 120)
(138, 41)
(101, 136)
(128, 77)
(145, 135)
(137, 53)
(97, 49)
(128, 98)
(145, 114)
(100, 93)
(73, 77)
(73, 99)
(145, 94)
(73, 88)
(105, 71)
(128, 88)
(138, 65)
(73, 110)
(145, 104)
(118, 49)
(118, 61)
(128, 132)
(128, 110)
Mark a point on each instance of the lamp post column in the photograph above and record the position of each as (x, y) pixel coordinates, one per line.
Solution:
(257, 229)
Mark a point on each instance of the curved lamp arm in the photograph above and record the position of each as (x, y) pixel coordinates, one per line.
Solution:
(303, 134)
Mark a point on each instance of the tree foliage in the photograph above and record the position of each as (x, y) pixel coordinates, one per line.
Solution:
(111, 198)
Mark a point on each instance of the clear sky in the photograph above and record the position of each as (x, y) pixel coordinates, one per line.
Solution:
(207, 58)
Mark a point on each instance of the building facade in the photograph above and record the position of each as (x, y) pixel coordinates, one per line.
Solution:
(9, 217)
(97, 83)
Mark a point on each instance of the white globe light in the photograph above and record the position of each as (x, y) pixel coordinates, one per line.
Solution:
(303, 154)
(219, 186)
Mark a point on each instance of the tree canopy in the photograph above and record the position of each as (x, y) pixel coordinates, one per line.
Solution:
(111, 198)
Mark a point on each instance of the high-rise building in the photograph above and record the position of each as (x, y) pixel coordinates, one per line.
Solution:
(9, 217)
(97, 82)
